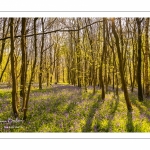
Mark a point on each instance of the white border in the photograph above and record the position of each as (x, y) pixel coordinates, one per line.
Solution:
(76, 135)
(74, 5)
(75, 14)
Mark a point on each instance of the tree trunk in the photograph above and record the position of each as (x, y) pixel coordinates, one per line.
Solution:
(4, 41)
(4, 68)
(24, 63)
(102, 59)
(41, 56)
(14, 79)
(33, 71)
(146, 57)
(50, 61)
(128, 103)
(140, 93)
(78, 55)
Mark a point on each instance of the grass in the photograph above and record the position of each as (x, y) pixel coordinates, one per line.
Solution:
(65, 108)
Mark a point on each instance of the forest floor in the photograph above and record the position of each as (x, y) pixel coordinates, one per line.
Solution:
(66, 108)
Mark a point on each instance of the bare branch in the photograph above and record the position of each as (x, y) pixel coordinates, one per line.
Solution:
(54, 31)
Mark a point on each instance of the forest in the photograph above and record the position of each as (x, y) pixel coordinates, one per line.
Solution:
(74, 74)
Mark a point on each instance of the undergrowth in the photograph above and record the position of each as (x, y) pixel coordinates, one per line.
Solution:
(65, 108)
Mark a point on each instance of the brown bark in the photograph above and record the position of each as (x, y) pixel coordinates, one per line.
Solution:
(140, 92)
(24, 63)
(146, 57)
(14, 79)
(93, 69)
(102, 60)
(41, 56)
(33, 70)
(128, 103)
(4, 41)
(78, 55)
(54, 31)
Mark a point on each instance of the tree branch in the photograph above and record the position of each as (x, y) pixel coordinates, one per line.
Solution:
(54, 31)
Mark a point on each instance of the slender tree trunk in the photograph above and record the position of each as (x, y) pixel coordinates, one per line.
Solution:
(113, 70)
(146, 57)
(57, 67)
(24, 63)
(33, 70)
(143, 74)
(85, 71)
(130, 73)
(51, 68)
(102, 59)
(140, 93)
(4, 41)
(47, 77)
(128, 103)
(78, 56)
(41, 56)
(13, 68)
(116, 84)
(133, 61)
(63, 71)
(93, 69)
(4, 68)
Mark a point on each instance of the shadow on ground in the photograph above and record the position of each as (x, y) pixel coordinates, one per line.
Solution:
(129, 124)
(88, 125)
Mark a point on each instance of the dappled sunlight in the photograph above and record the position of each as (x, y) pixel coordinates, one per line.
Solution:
(65, 110)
